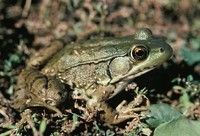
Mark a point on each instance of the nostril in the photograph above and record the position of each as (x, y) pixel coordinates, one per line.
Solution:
(162, 49)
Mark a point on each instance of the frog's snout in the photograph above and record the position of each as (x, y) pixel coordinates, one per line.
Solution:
(166, 50)
(169, 50)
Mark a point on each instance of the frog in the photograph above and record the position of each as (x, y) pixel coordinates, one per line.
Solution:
(97, 70)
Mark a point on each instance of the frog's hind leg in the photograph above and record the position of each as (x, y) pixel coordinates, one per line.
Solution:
(38, 103)
(38, 90)
(20, 98)
(19, 103)
(41, 58)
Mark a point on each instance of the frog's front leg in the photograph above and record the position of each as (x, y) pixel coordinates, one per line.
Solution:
(112, 116)
(35, 89)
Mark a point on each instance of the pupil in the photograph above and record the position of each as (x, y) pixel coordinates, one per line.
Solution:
(140, 53)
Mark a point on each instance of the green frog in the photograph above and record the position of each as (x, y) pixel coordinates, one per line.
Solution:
(96, 70)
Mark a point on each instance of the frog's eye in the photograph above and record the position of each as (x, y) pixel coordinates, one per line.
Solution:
(139, 53)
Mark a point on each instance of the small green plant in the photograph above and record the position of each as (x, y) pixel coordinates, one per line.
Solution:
(189, 90)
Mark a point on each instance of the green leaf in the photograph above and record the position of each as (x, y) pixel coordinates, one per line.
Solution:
(14, 58)
(190, 56)
(185, 101)
(180, 126)
(11, 61)
(190, 78)
(161, 113)
(43, 126)
(75, 118)
(195, 43)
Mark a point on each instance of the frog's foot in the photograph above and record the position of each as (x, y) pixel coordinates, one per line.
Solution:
(123, 107)
(127, 111)
(131, 110)
(123, 112)
(112, 116)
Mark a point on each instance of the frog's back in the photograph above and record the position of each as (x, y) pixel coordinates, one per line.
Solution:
(92, 51)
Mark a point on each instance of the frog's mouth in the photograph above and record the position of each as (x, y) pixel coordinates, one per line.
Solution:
(133, 75)
(139, 73)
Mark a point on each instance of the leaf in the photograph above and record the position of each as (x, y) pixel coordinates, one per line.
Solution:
(43, 126)
(161, 113)
(75, 118)
(14, 58)
(180, 126)
(190, 56)
(190, 78)
(195, 42)
(185, 101)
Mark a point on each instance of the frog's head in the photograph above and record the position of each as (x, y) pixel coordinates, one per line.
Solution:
(144, 54)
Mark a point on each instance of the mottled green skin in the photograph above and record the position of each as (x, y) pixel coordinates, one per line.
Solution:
(96, 70)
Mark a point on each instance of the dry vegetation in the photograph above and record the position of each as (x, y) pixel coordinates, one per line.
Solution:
(26, 26)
